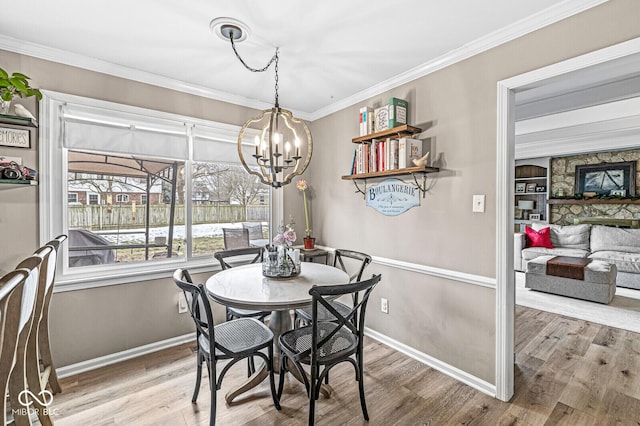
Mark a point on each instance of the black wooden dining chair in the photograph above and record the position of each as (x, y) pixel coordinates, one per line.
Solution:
(232, 340)
(353, 263)
(243, 256)
(324, 344)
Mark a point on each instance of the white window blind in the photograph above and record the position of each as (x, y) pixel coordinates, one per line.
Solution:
(88, 128)
(213, 145)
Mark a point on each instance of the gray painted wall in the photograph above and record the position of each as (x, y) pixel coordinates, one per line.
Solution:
(448, 320)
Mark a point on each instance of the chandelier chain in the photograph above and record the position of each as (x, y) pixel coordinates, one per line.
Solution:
(273, 59)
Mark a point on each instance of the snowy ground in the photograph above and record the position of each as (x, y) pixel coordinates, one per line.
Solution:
(137, 235)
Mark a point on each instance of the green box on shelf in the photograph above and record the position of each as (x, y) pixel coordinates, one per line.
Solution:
(398, 112)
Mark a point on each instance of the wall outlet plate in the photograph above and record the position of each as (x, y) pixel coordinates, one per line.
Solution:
(384, 305)
(183, 308)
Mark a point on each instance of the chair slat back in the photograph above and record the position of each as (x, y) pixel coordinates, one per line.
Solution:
(235, 238)
(227, 256)
(353, 269)
(255, 230)
(51, 267)
(11, 289)
(354, 320)
(31, 291)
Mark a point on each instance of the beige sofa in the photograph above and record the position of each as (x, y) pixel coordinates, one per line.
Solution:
(618, 246)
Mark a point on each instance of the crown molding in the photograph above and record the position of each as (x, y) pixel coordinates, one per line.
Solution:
(532, 23)
(92, 64)
(520, 28)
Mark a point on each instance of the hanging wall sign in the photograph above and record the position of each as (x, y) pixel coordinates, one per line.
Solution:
(392, 197)
(16, 138)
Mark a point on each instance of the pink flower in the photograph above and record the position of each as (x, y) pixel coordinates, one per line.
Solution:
(278, 239)
(301, 184)
(289, 236)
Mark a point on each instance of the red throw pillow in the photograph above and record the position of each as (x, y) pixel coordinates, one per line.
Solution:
(541, 238)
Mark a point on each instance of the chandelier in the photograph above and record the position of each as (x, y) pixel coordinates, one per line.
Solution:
(283, 145)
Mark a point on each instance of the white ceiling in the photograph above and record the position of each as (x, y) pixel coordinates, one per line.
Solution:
(332, 53)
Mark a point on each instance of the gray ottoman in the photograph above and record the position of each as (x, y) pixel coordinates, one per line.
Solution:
(599, 284)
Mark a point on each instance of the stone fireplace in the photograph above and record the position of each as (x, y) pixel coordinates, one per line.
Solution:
(562, 184)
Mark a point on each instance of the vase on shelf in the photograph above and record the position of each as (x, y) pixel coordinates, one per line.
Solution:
(4, 106)
(309, 243)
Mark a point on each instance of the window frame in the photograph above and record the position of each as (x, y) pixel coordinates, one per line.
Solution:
(53, 214)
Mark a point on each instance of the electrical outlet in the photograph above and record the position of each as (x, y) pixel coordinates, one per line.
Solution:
(182, 304)
(384, 305)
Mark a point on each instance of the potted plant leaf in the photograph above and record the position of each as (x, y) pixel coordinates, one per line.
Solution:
(12, 86)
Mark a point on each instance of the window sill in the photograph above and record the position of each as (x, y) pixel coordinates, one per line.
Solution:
(92, 280)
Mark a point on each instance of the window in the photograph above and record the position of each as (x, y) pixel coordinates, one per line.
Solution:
(118, 155)
(122, 198)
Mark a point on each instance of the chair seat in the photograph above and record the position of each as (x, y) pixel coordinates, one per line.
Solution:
(297, 341)
(247, 313)
(239, 336)
(323, 313)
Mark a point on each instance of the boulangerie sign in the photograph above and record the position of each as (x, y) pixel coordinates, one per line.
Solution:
(392, 197)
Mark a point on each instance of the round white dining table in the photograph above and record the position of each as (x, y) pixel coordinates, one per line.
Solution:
(245, 287)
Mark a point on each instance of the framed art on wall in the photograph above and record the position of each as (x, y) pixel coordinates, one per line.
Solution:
(531, 187)
(520, 188)
(606, 177)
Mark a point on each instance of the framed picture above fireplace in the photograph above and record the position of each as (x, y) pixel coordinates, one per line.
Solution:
(606, 177)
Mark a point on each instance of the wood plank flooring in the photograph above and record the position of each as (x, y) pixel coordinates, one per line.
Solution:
(568, 372)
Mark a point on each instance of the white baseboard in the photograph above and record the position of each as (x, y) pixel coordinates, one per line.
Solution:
(103, 361)
(444, 368)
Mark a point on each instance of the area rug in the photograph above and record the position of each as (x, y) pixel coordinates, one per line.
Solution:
(623, 311)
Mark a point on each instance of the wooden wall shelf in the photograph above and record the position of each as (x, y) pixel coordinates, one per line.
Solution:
(412, 171)
(560, 201)
(396, 132)
(397, 172)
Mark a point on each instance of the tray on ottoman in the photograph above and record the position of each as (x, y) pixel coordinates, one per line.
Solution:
(598, 285)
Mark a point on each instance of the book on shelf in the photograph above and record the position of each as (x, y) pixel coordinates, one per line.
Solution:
(393, 154)
(381, 118)
(408, 149)
(353, 162)
(398, 112)
(366, 120)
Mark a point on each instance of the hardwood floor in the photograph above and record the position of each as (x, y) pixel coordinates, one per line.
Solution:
(568, 372)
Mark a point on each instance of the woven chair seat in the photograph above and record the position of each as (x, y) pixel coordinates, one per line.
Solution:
(341, 344)
(323, 313)
(238, 336)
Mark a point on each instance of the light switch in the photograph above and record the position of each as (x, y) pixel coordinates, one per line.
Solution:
(478, 204)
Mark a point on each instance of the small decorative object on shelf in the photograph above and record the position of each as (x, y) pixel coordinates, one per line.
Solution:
(280, 260)
(309, 241)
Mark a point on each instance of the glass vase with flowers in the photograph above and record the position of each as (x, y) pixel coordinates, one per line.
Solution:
(281, 260)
